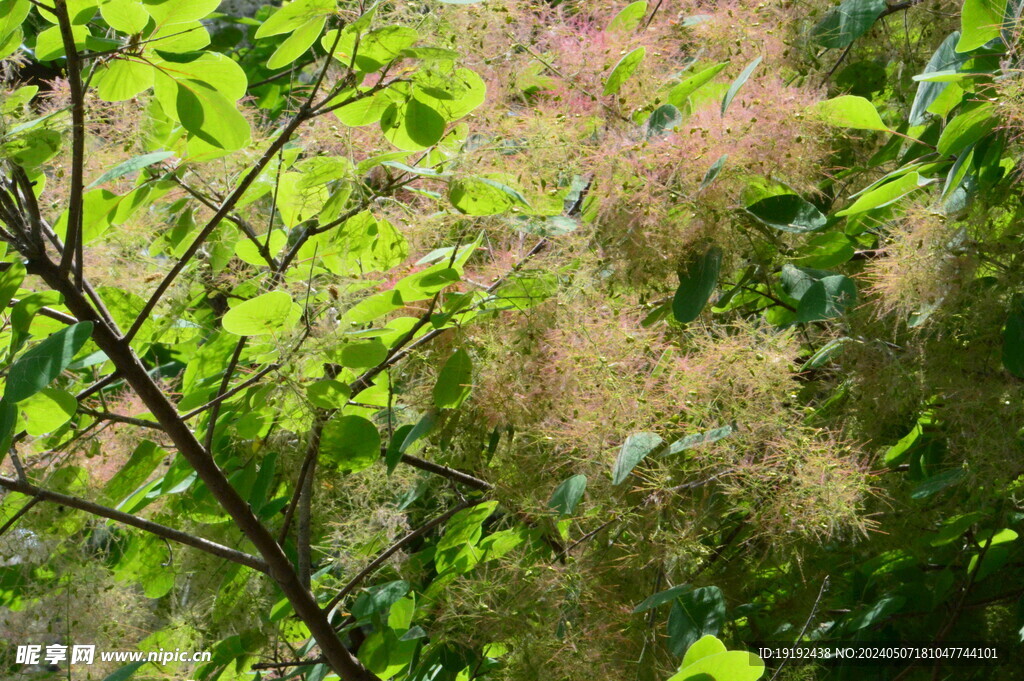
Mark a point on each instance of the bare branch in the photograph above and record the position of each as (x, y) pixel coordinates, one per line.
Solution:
(73, 246)
(135, 521)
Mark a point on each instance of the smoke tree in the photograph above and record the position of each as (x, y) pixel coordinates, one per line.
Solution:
(508, 340)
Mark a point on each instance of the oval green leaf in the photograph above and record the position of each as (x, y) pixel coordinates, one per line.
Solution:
(696, 282)
(264, 314)
(351, 442)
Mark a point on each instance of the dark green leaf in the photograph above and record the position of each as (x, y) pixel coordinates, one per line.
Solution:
(937, 483)
(634, 449)
(662, 597)
(697, 439)
(826, 298)
(944, 59)
(662, 121)
(787, 212)
(696, 283)
(34, 370)
(713, 171)
(568, 494)
(131, 166)
(699, 613)
(125, 672)
(847, 22)
(738, 83)
(455, 381)
(1013, 341)
(379, 598)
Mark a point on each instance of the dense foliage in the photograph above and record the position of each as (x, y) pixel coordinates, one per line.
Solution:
(510, 340)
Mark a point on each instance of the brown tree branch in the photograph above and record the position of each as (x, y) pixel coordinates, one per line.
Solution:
(73, 240)
(159, 530)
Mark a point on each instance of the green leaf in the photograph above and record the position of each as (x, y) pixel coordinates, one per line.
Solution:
(849, 111)
(847, 22)
(787, 212)
(122, 79)
(47, 410)
(126, 16)
(623, 70)
(131, 166)
(938, 482)
(179, 11)
(886, 194)
(1013, 341)
(733, 665)
(993, 559)
(50, 43)
(35, 369)
(967, 128)
(945, 58)
(200, 90)
(465, 526)
(629, 18)
(738, 83)
(10, 282)
(713, 171)
(697, 439)
(695, 614)
(481, 196)
(430, 54)
(8, 421)
(372, 50)
(264, 314)
(293, 15)
(363, 355)
(210, 116)
(662, 121)
(379, 598)
(132, 475)
(455, 381)
(412, 125)
(297, 43)
(12, 14)
(634, 450)
(826, 298)
(452, 93)
(328, 393)
(980, 22)
(350, 442)
(705, 646)
(882, 608)
(366, 110)
(34, 148)
(826, 250)
(696, 283)
(826, 352)
(567, 495)
(678, 95)
(125, 672)
(661, 598)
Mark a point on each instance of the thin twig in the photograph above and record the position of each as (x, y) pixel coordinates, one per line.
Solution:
(135, 521)
(211, 422)
(118, 418)
(394, 548)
